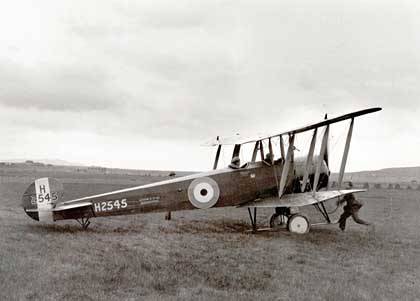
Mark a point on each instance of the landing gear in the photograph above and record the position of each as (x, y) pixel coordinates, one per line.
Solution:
(84, 222)
(279, 217)
(321, 208)
(278, 221)
(253, 218)
(298, 223)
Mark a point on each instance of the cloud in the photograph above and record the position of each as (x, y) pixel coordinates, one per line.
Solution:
(57, 88)
(157, 73)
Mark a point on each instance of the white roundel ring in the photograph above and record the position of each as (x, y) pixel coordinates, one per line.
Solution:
(203, 192)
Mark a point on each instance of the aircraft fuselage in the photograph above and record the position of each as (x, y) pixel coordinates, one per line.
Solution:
(224, 187)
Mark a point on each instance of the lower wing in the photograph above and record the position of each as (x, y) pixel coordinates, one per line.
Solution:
(300, 199)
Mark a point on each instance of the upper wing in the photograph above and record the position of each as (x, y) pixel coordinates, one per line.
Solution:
(237, 139)
(299, 199)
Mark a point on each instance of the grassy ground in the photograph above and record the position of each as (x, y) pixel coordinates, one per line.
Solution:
(206, 254)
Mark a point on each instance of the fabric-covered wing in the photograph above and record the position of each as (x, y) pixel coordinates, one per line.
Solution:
(299, 199)
(238, 139)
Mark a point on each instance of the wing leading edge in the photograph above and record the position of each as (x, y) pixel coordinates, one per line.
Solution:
(238, 139)
(299, 199)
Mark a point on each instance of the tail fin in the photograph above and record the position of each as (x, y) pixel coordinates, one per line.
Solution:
(41, 197)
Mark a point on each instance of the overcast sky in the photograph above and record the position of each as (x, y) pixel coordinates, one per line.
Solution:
(141, 84)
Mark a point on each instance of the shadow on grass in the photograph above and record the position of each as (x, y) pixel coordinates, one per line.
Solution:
(41, 228)
(76, 228)
(207, 227)
(318, 236)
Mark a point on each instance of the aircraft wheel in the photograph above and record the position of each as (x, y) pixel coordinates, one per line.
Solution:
(278, 220)
(298, 224)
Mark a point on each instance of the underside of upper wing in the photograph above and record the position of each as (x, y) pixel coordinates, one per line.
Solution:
(299, 199)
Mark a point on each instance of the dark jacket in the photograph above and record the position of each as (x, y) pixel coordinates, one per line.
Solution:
(352, 205)
(351, 208)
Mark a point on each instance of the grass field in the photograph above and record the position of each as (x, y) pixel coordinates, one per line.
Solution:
(207, 255)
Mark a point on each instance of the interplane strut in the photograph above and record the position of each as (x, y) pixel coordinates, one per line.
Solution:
(309, 160)
(287, 164)
(345, 154)
(321, 156)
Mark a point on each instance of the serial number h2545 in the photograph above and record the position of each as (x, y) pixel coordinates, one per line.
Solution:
(111, 205)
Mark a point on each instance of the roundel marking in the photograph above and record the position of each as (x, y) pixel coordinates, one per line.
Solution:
(203, 192)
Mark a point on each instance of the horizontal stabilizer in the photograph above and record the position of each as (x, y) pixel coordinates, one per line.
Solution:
(64, 207)
(299, 199)
(72, 206)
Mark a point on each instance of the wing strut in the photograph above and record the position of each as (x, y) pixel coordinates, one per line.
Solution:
(309, 159)
(345, 154)
(270, 148)
(236, 150)
(286, 166)
(216, 160)
(261, 150)
(254, 153)
(282, 148)
(321, 156)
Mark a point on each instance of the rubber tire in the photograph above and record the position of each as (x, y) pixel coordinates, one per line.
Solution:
(273, 221)
(297, 228)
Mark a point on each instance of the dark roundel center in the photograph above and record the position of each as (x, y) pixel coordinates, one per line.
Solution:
(203, 192)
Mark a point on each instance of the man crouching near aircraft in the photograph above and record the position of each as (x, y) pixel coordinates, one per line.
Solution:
(351, 208)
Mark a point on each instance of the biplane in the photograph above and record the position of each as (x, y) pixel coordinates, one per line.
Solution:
(284, 184)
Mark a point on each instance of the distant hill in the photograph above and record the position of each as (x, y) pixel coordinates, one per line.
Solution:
(402, 175)
(27, 168)
(387, 175)
(45, 161)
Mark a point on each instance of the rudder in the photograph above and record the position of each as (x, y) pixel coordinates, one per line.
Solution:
(40, 198)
